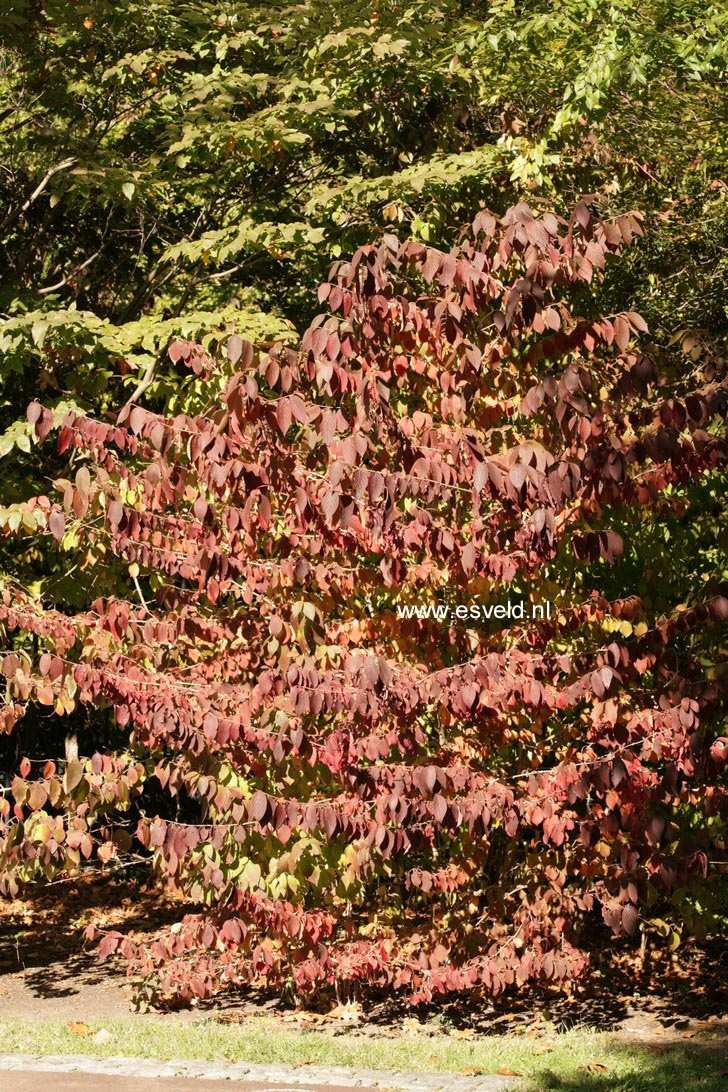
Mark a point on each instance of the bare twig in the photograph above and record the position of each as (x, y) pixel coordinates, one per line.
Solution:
(64, 280)
(15, 213)
(141, 596)
(146, 380)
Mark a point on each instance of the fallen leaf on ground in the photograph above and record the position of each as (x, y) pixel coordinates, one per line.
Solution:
(351, 1011)
(504, 1071)
(472, 1072)
(544, 1048)
(103, 1036)
(306, 1018)
(595, 1067)
(79, 1028)
(462, 1033)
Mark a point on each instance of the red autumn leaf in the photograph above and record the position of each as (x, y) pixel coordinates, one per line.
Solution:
(258, 806)
(57, 524)
(234, 348)
(630, 917)
(284, 416)
(330, 504)
(115, 513)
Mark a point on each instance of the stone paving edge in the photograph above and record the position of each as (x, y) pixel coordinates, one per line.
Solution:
(249, 1071)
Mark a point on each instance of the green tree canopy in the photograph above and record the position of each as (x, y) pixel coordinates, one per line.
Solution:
(174, 168)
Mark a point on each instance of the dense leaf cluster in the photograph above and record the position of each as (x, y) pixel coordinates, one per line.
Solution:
(212, 658)
(367, 798)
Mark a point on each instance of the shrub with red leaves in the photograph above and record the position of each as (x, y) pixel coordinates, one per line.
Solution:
(367, 796)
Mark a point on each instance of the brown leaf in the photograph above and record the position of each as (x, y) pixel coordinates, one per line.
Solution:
(37, 796)
(350, 1011)
(73, 775)
(504, 1071)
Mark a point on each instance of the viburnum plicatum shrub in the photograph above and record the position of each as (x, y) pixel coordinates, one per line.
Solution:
(352, 797)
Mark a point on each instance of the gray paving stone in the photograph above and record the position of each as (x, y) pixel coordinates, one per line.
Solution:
(294, 1076)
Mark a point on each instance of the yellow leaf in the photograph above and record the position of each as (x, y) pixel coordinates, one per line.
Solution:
(79, 1028)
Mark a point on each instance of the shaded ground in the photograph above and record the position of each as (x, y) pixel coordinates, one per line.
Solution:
(44, 966)
(45, 972)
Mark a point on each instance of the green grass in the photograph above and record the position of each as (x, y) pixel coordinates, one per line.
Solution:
(576, 1061)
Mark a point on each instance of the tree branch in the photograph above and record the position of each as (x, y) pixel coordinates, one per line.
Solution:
(64, 280)
(146, 380)
(15, 213)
